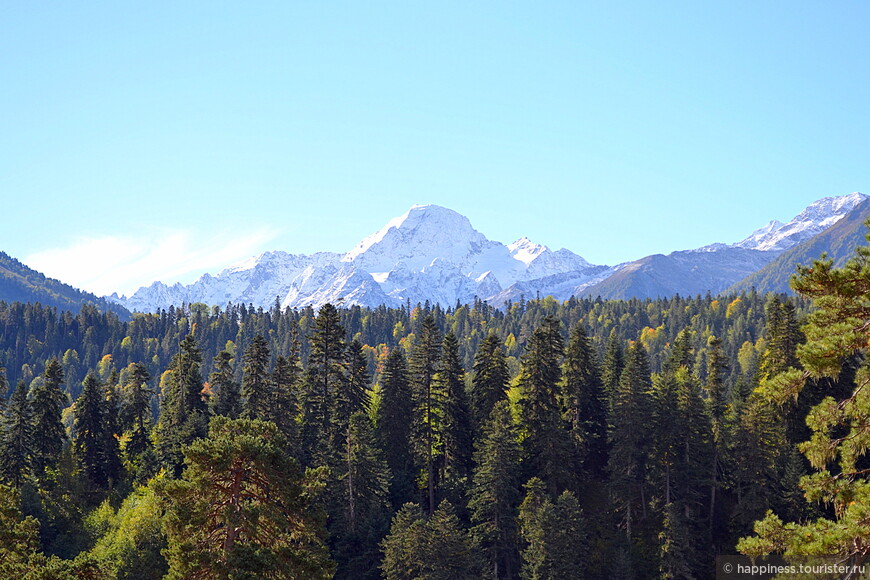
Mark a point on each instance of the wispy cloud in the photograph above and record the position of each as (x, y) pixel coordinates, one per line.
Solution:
(122, 264)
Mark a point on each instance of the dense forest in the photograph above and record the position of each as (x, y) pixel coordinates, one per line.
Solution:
(577, 439)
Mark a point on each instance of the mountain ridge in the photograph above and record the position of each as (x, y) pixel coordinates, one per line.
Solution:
(434, 253)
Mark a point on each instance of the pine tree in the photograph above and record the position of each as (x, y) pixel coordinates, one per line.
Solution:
(226, 399)
(494, 494)
(17, 446)
(243, 508)
(49, 434)
(547, 441)
(257, 385)
(585, 402)
(183, 411)
(393, 426)
(837, 335)
(425, 355)
(490, 381)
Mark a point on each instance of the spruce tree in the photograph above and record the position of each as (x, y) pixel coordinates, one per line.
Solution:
(17, 446)
(428, 399)
(495, 493)
(257, 395)
(183, 411)
(226, 399)
(326, 378)
(490, 379)
(393, 426)
(285, 399)
(49, 435)
(458, 445)
(585, 402)
(136, 416)
(554, 534)
(629, 439)
(90, 434)
(612, 365)
(546, 440)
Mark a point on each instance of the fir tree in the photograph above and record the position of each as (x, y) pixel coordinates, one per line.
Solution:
(428, 399)
(628, 438)
(546, 443)
(554, 535)
(183, 411)
(393, 426)
(257, 385)
(456, 418)
(136, 416)
(226, 397)
(49, 434)
(613, 364)
(17, 446)
(436, 548)
(490, 379)
(90, 434)
(326, 379)
(285, 404)
(494, 494)
(585, 402)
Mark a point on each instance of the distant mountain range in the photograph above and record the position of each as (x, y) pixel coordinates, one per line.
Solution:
(433, 253)
(18, 283)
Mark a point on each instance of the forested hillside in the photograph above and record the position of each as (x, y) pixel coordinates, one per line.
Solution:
(574, 439)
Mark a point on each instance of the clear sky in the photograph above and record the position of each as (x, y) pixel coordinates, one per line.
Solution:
(160, 140)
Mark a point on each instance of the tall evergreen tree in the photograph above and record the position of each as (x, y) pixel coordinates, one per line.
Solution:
(393, 426)
(458, 445)
(425, 355)
(363, 492)
(554, 533)
(547, 442)
(355, 396)
(17, 446)
(495, 494)
(434, 548)
(490, 379)
(257, 395)
(629, 438)
(226, 397)
(326, 378)
(183, 411)
(585, 402)
(285, 403)
(49, 435)
(612, 365)
(90, 434)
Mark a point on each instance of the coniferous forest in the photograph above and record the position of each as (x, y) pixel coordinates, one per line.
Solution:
(542, 440)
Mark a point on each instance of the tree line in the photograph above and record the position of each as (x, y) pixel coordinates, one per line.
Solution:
(548, 439)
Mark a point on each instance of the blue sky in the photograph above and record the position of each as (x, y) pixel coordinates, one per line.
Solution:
(161, 140)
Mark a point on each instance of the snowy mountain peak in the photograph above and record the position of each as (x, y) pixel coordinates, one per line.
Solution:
(526, 250)
(813, 219)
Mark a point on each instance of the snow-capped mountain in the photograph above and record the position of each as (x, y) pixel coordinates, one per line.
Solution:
(429, 253)
(434, 253)
(811, 221)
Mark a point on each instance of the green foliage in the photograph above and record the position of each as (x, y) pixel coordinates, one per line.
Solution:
(17, 447)
(433, 548)
(554, 535)
(243, 508)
